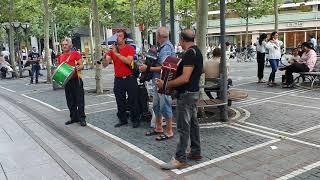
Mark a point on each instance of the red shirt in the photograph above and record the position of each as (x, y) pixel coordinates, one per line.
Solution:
(74, 57)
(120, 68)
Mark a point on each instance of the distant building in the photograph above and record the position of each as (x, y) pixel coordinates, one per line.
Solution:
(297, 22)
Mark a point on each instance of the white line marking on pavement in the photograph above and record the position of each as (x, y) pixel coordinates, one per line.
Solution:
(246, 116)
(306, 130)
(305, 97)
(268, 98)
(98, 104)
(48, 105)
(238, 114)
(270, 129)
(224, 157)
(291, 104)
(251, 132)
(137, 149)
(101, 111)
(278, 135)
(158, 161)
(299, 171)
(7, 89)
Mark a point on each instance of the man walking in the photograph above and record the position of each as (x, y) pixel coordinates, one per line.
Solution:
(187, 87)
(161, 102)
(35, 66)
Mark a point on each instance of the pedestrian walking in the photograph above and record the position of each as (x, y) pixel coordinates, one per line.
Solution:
(34, 60)
(274, 46)
(261, 53)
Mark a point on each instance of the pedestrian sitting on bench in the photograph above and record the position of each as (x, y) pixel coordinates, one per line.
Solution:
(305, 64)
(211, 70)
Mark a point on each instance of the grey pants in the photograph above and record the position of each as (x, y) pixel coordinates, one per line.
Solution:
(188, 125)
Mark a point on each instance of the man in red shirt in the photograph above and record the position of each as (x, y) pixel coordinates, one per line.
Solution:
(124, 82)
(74, 88)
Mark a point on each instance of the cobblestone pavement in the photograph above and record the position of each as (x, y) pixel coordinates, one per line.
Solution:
(275, 133)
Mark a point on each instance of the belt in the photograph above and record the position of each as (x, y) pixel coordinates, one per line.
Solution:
(123, 77)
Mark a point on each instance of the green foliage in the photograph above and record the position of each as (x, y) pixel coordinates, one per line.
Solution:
(256, 8)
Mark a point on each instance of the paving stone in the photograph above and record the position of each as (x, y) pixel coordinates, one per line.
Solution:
(215, 142)
(286, 118)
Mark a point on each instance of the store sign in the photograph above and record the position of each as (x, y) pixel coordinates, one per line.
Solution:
(295, 24)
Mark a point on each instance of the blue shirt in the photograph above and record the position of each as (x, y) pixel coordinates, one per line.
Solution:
(166, 50)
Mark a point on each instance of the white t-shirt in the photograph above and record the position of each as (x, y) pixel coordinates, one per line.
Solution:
(274, 48)
(261, 48)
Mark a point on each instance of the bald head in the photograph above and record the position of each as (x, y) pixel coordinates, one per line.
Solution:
(187, 35)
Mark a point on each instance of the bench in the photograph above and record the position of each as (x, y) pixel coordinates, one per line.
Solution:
(311, 76)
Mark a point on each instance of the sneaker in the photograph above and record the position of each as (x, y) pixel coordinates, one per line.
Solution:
(173, 164)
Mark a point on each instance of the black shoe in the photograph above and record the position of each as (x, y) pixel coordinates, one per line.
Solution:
(120, 124)
(83, 123)
(281, 69)
(69, 122)
(135, 125)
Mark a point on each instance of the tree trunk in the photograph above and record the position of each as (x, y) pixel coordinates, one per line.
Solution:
(133, 21)
(223, 64)
(172, 30)
(276, 13)
(163, 12)
(202, 24)
(11, 40)
(46, 39)
(97, 47)
(53, 38)
(247, 26)
(91, 40)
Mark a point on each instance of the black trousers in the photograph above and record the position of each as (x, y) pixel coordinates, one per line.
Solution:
(75, 99)
(295, 67)
(122, 87)
(35, 71)
(260, 61)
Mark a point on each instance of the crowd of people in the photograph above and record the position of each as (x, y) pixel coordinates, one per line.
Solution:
(301, 59)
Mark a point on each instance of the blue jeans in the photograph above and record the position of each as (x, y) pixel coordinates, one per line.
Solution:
(35, 72)
(274, 65)
(162, 104)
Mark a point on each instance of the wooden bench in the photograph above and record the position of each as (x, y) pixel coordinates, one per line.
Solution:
(311, 76)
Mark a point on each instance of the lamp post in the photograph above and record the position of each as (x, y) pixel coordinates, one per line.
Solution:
(16, 25)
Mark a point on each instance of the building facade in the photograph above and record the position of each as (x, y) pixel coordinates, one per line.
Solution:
(297, 23)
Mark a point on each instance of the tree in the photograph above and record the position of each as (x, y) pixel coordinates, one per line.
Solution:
(250, 9)
(97, 48)
(46, 39)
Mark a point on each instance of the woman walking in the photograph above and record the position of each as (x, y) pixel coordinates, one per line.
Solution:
(274, 47)
(261, 53)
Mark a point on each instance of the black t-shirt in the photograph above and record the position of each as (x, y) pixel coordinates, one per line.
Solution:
(34, 56)
(192, 57)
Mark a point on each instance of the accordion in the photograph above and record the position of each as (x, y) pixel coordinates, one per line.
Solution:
(168, 72)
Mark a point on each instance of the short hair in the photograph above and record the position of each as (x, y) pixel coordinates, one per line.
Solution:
(216, 52)
(67, 39)
(163, 31)
(125, 34)
(187, 35)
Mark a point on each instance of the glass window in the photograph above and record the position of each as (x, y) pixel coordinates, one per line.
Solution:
(290, 39)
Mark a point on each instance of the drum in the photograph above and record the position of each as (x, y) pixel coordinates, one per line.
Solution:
(168, 72)
(63, 74)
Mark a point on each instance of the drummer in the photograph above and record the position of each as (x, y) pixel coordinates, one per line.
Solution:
(74, 87)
